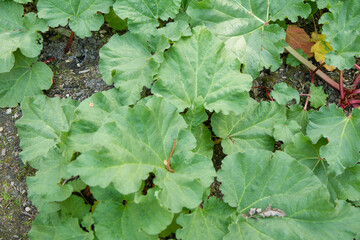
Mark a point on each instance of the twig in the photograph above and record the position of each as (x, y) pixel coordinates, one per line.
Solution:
(312, 67)
(69, 42)
(167, 162)
(70, 179)
(84, 71)
(83, 197)
(27, 214)
(341, 86)
(314, 23)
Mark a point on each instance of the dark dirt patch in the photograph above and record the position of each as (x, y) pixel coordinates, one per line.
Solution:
(76, 74)
(16, 211)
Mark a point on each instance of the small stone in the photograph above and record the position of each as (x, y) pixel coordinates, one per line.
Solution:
(12, 183)
(3, 152)
(1, 129)
(23, 191)
(16, 115)
(67, 95)
(27, 209)
(8, 111)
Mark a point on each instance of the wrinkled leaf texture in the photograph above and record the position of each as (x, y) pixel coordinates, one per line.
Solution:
(136, 142)
(27, 78)
(342, 30)
(257, 178)
(200, 70)
(144, 16)
(243, 25)
(17, 32)
(342, 133)
(81, 15)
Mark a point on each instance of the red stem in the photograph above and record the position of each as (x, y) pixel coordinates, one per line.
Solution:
(67, 48)
(49, 60)
(358, 67)
(352, 101)
(309, 94)
(304, 94)
(341, 86)
(267, 93)
(356, 91)
(356, 81)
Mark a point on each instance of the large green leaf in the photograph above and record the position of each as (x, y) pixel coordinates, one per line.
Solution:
(204, 144)
(342, 30)
(26, 78)
(301, 116)
(127, 62)
(326, 3)
(209, 221)
(343, 134)
(282, 93)
(127, 218)
(194, 118)
(317, 96)
(46, 186)
(199, 69)
(76, 207)
(90, 115)
(58, 226)
(344, 187)
(244, 26)
(82, 15)
(252, 129)
(143, 16)
(136, 142)
(18, 32)
(257, 178)
(285, 131)
(19, 1)
(44, 124)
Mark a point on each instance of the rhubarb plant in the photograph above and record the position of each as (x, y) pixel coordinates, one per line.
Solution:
(18, 32)
(121, 165)
(82, 16)
(343, 33)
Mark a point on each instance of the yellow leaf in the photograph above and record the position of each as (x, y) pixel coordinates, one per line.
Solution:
(315, 37)
(320, 48)
(329, 68)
